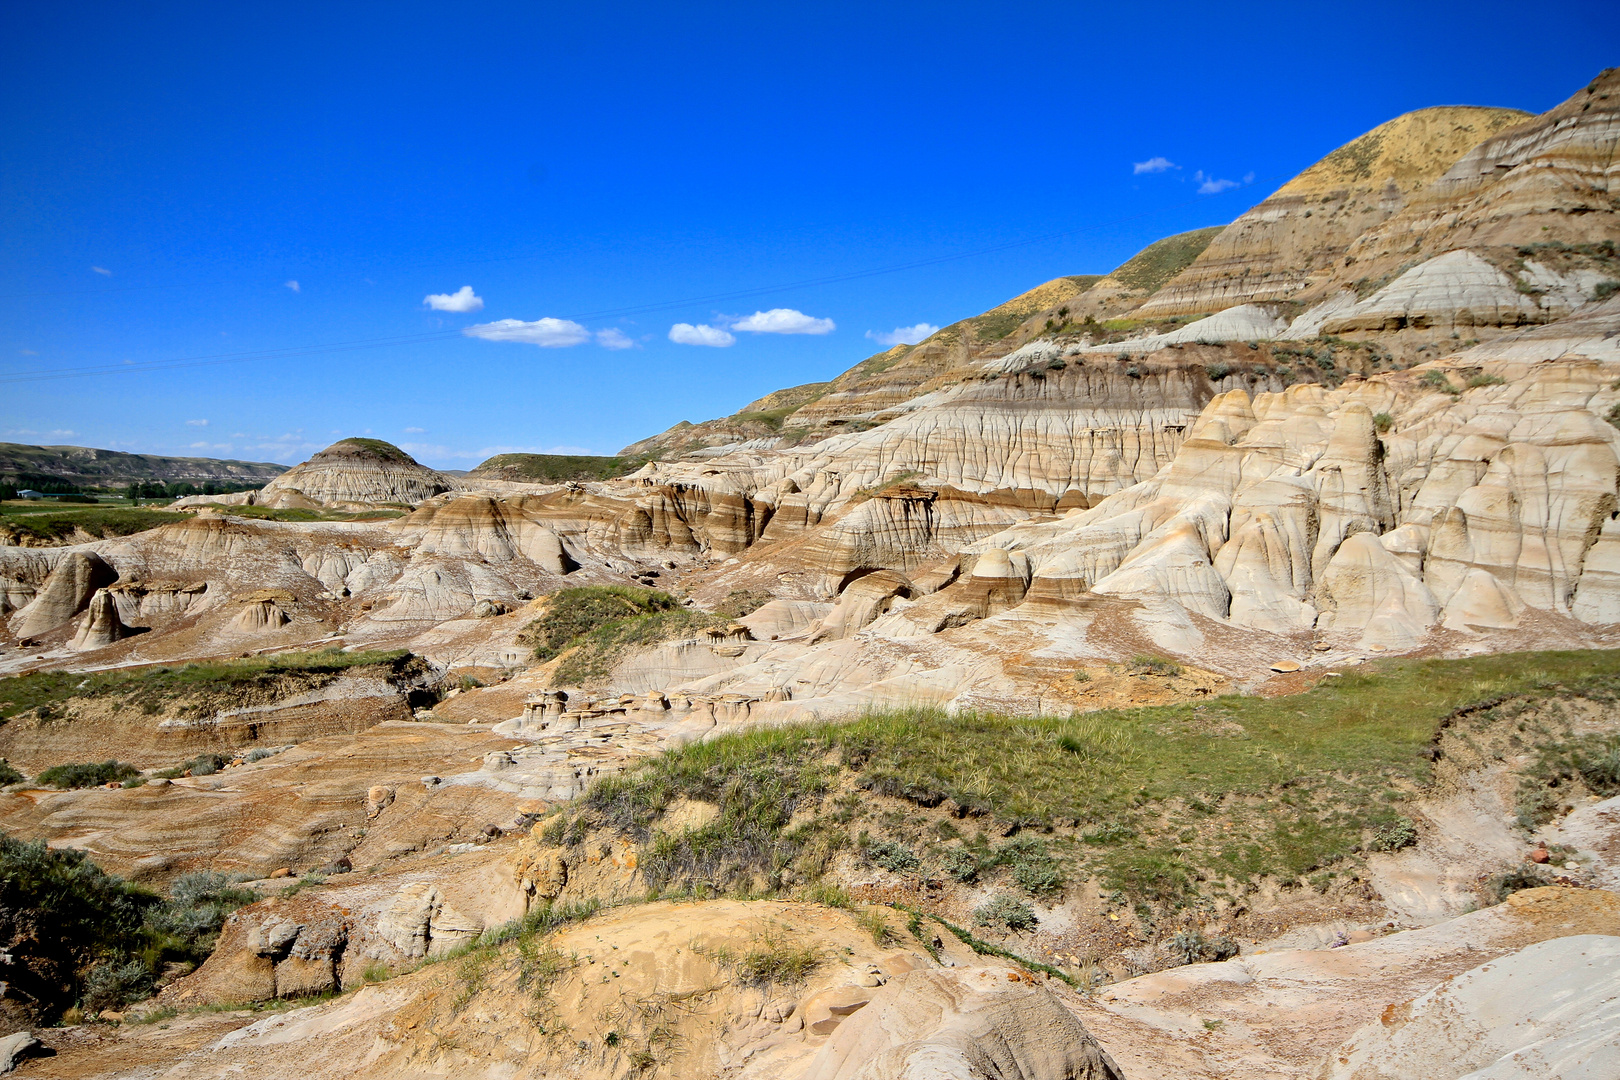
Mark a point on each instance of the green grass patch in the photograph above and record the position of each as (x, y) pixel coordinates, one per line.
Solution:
(1162, 260)
(597, 624)
(240, 681)
(29, 522)
(1151, 801)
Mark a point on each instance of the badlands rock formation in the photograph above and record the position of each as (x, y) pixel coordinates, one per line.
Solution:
(1393, 430)
(365, 472)
(1298, 235)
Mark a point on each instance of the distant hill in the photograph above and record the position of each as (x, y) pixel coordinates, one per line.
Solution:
(22, 465)
(554, 468)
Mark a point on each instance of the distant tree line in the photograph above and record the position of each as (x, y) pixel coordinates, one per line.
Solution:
(156, 489)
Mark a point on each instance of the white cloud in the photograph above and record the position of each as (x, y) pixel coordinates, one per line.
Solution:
(701, 334)
(416, 431)
(238, 434)
(1153, 165)
(102, 270)
(1208, 185)
(614, 338)
(197, 423)
(903, 335)
(294, 286)
(462, 300)
(28, 352)
(62, 433)
(783, 321)
(547, 333)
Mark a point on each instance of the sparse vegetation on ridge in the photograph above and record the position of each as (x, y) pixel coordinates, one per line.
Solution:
(596, 624)
(1150, 802)
(221, 682)
(557, 468)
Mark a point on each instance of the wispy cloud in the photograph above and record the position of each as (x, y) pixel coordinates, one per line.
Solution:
(614, 338)
(547, 333)
(197, 423)
(783, 321)
(1209, 185)
(416, 431)
(903, 335)
(462, 300)
(701, 334)
(293, 285)
(1153, 165)
(28, 352)
(102, 270)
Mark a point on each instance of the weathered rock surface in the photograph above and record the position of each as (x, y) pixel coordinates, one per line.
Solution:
(1550, 1009)
(101, 625)
(66, 592)
(365, 472)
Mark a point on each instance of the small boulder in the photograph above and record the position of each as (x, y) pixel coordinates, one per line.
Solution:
(13, 1048)
(281, 872)
(1285, 665)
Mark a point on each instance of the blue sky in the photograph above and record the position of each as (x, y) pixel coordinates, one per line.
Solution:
(169, 171)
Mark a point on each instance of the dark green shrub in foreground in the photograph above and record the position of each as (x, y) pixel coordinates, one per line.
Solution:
(79, 934)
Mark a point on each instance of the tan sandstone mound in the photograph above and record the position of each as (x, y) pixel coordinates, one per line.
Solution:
(357, 471)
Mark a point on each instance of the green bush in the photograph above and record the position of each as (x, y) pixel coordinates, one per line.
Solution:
(1007, 912)
(9, 773)
(87, 774)
(1477, 381)
(1382, 422)
(1436, 380)
(1397, 834)
(1217, 371)
(60, 915)
(891, 856)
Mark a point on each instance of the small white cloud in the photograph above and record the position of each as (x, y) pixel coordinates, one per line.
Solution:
(462, 300)
(783, 321)
(903, 335)
(238, 434)
(1153, 165)
(199, 446)
(1208, 185)
(701, 334)
(197, 423)
(416, 431)
(62, 433)
(102, 270)
(294, 286)
(1248, 178)
(28, 352)
(613, 338)
(547, 333)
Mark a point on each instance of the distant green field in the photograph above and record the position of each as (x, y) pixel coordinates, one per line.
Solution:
(51, 522)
